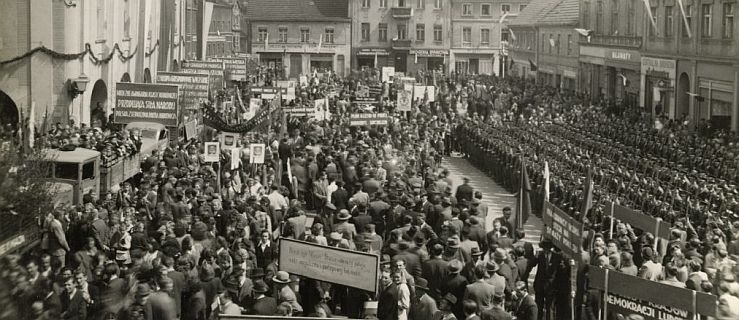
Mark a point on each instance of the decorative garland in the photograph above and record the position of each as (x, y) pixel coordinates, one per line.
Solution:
(146, 54)
(72, 56)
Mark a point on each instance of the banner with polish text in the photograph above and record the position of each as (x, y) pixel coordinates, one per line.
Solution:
(146, 102)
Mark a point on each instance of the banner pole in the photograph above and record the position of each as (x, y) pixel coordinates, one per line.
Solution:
(610, 232)
(656, 233)
(695, 305)
(605, 297)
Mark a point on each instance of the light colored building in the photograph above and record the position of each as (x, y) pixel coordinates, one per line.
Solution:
(545, 44)
(301, 35)
(224, 30)
(610, 59)
(702, 59)
(410, 35)
(126, 31)
(478, 34)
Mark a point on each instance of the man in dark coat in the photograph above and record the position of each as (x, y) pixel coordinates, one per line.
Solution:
(455, 284)
(548, 264)
(497, 312)
(263, 305)
(340, 197)
(524, 306)
(387, 301)
(464, 191)
(74, 306)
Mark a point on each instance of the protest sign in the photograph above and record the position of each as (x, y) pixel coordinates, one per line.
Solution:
(563, 230)
(341, 266)
(228, 140)
(146, 102)
(235, 67)
(418, 91)
(254, 105)
(431, 91)
(212, 152)
(256, 153)
(303, 80)
(320, 109)
(191, 129)
(235, 158)
(366, 119)
(639, 220)
(404, 100)
(193, 87)
(268, 92)
(212, 68)
(298, 111)
(621, 307)
(387, 74)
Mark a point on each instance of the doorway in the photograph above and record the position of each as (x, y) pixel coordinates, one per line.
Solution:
(8, 113)
(683, 99)
(98, 104)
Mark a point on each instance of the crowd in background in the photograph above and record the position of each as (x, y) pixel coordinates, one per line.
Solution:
(181, 242)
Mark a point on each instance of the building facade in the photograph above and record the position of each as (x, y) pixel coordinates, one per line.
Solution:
(690, 66)
(558, 50)
(610, 59)
(224, 30)
(410, 35)
(123, 40)
(545, 45)
(301, 36)
(479, 34)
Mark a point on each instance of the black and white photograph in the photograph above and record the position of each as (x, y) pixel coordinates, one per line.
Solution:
(369, 159)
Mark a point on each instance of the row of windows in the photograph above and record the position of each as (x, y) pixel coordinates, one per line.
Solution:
(305, 35)
(467, 37)
(671, 15)
(485, 9)
(403, 3)
(401, 32)
(552, 44)
(615, 12)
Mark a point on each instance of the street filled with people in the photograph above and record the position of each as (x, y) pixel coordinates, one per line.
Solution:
(193, 239)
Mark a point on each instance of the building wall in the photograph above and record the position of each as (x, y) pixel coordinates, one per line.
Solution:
(424, 12)
(561, 59)
(42, 81)
(220, 33)
(705, 63)
(287, 51)
(522, 50)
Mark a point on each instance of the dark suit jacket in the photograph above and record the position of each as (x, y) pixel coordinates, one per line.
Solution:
(265, 257)
(340, 199)
(456, 285)
(496, 313)
(464, 191)
(546, 272)
(482, 293)
(74, 307)
(266, 306)
(387, 303)
(361, 221)
(526, 309)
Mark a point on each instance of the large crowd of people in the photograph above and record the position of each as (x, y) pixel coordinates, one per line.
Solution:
(181, 242)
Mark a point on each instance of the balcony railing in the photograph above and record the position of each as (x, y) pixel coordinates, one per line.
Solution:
(619, 41)
(402, 13)
(402, 43)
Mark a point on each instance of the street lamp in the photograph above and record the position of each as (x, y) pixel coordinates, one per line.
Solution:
(77, 86)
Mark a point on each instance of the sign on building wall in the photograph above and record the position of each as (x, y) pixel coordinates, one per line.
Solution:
(146, 102)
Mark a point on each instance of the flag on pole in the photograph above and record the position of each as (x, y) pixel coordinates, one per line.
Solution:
(651, 16)
(502, 18)
(546, 181)
(320, 42)
(513, 35)
(266, 42)
(533, 66)
(375, 60)
(523, 203)
(685, 18)
(587, 195)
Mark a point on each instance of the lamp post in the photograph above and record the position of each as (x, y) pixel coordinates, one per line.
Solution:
(77, 86)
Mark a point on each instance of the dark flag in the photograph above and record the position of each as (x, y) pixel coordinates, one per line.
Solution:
(533, 66)
(587, 202)
(523, 203)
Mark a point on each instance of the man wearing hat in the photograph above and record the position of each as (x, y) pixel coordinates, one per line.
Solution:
(480, 291)
(500, 256)
(524, 306)
(464, 191)
(283, 291)
(445, 308)
(344, 227)
(263, 305)
(455, 284)
(425, 306)
(547, 265)
(225, 299)
(497, 312)
(140, 308)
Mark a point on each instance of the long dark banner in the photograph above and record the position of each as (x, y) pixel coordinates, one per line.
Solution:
(212, 119)
(563, 230)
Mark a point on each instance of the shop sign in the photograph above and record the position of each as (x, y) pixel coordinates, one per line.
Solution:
(658, 65)
(297, 47)
(622, 55)
(372, 52)
(429, 52)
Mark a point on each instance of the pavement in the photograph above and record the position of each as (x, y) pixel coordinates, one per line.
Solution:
(495, 197)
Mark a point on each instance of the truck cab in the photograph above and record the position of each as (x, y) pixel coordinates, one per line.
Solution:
(79, 169)
(153, 136)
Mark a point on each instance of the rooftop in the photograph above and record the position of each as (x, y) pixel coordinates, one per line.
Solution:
(548, 12)
(298, 10)
(565, 13)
